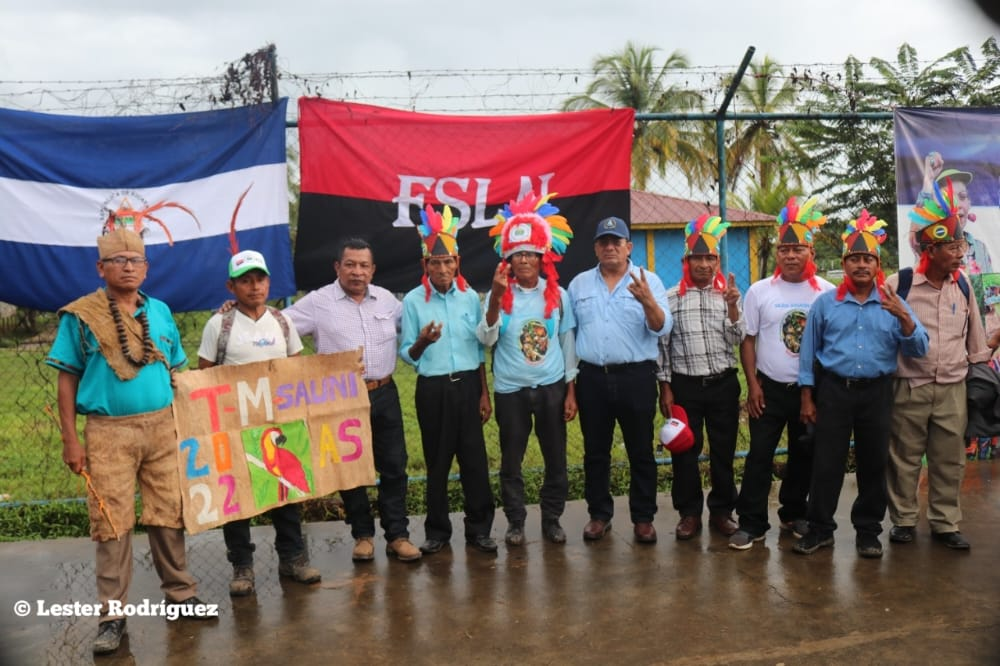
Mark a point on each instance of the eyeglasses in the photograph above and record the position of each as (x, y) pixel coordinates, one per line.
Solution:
(121, 261)
(525, 256)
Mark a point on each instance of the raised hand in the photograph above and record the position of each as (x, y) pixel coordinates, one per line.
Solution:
(430, 333)
(639, 287)
(732, 294)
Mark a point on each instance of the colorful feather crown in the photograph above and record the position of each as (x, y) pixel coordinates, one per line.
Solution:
(864, 235)
(936, 218)
(796, 224)
(531, 224)
(701, 236)
(438, 232)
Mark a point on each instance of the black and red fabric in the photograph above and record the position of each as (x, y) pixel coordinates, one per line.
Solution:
(367, 171)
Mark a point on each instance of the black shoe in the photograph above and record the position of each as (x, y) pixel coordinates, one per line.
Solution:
(553, 531)
(109, 636)
(515, 534)
(868, 545)
(192, 608)
(482, 542)
(952, 540)
(902, 534)
(812, 542)
(432, 546)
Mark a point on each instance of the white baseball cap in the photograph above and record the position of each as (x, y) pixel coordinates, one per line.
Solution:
(247, 260)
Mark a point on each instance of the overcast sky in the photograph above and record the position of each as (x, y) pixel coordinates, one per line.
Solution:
(51, 40)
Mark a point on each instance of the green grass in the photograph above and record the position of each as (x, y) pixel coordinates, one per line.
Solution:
(31, 467)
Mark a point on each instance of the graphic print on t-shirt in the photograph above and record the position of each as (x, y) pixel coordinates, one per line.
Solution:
(534, 341)
(792, 325)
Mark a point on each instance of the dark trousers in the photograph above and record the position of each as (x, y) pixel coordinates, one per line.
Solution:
(716, 408)
(865, 410)
(450, 428)
(782, 405)
(288, 540)
(389, 452)
(514, 413)
(626, 395)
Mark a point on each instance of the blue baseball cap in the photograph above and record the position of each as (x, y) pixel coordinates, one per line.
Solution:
(612, 226)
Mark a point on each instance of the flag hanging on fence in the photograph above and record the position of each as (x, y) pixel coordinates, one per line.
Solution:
(181, 178)
(368, 171)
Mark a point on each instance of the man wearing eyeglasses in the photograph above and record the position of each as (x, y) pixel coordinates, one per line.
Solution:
(930, 411)
(115, 351)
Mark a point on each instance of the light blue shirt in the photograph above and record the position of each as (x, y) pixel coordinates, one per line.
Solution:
(458, 349)
(77, 352)
(529, 348)
(611, 326)
(856, 340)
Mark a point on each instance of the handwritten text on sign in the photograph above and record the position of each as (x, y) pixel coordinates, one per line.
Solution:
(254, 436)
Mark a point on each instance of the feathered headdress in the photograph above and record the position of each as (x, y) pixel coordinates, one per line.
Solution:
(532, 224)
(862, 236)
(795, 227)
(438, 232)
(936, 219)
(796, 224)
(701, 236)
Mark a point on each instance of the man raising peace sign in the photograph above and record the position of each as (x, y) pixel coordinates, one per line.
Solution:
(621, 310)
(698, 372)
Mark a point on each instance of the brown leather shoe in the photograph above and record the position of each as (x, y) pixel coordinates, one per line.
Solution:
(403, 550)
(644, 533)
(688, 527)
(596, 529)
(724, 523)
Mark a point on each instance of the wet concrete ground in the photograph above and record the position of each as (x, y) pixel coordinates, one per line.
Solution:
(613, 601)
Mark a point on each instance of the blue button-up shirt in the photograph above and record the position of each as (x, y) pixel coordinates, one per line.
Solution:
(611, 325)
(856, 340)
(457, 349)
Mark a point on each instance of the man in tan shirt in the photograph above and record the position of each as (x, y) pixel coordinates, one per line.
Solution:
(930, 412)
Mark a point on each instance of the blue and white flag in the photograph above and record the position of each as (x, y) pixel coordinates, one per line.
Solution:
(180, 179)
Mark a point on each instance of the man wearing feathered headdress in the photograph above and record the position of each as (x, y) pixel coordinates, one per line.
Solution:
(621, 310)
(930, 411)
(529, 321)
(438, 338)
(775, 311)
(697, 370)
(848, 355)
(115, 351)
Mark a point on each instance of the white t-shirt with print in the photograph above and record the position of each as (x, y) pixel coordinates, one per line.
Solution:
(249, 340)
(775, 311)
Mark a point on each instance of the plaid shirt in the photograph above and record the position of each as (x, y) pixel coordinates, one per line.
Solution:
(703, 339)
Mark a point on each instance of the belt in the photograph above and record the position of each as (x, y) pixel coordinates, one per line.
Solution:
(708, 380)
(451, 377)
(612, 368)
(853, 382)
(786, 386)
(372, 384)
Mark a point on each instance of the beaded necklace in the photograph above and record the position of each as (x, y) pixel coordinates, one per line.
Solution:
(147, 343)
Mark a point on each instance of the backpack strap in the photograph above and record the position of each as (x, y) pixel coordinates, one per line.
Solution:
(227, 327)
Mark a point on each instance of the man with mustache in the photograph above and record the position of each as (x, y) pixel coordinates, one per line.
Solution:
(775, 311)
(848, 355)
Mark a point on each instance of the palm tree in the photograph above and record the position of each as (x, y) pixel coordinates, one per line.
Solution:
(762, 145)
(631, 78)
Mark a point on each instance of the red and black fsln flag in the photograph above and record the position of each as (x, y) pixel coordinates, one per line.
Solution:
(368, 171)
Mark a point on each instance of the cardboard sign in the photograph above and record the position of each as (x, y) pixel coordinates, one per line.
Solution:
(254, 436)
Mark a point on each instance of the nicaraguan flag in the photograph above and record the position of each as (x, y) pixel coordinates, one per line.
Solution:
(180, 177)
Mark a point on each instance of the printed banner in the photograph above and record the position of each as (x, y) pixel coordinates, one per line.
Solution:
(932, 144)
(368, 171)
(184, 180)
(255, 436)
